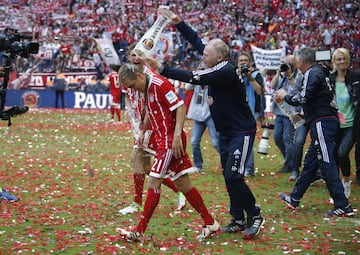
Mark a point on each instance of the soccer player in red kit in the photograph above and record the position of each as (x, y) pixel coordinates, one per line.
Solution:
(115, 91)
(141, 154)
(165, 113)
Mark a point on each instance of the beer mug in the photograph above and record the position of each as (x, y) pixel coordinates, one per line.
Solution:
(294, 117)
(147, 44)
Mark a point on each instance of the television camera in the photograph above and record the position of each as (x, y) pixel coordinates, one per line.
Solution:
(15, 43)
(12, 44)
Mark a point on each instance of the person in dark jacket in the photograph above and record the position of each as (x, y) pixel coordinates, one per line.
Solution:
(321, 118)
(59, 87)
(233, 120)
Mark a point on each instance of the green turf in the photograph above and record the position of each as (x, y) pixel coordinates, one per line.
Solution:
(71, 172)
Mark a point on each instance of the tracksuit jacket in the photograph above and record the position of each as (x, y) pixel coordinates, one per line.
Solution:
(228, 92)
(316, 96)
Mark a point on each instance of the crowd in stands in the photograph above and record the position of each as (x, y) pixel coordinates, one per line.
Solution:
(67, 29)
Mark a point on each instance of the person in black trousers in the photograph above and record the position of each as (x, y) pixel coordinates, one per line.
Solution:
(59, 87)
(233, 120)
(321, 119)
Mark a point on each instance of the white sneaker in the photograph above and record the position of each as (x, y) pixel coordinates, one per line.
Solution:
(208, 230)
(181, 201)
(347, 188)
(194, 169)
(134, 207)
(129, 235)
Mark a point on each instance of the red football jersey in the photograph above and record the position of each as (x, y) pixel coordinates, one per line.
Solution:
(65, 48)
(115, 89)
(161, 103)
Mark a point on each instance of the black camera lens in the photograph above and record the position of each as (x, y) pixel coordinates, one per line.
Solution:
(244, 69)
(284, 67)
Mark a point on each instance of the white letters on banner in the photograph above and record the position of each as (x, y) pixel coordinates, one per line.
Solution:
(91, 101)
(267, 59)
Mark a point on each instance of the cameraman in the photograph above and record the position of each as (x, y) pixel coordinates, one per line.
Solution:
(291, 148)
(254, 84)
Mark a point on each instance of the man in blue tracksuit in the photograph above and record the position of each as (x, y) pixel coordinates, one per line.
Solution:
(321, 117)
(233, 120)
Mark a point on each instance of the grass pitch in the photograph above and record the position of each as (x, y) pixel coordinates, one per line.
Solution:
(71, 171)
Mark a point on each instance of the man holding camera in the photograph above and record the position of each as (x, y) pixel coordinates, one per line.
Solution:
(284, 130)
(254, 84)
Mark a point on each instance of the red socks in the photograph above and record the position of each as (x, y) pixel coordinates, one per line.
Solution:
(112, 111)
(139, 179)
(152, 200)
(196, 201)
(168, 182)
(118, 113)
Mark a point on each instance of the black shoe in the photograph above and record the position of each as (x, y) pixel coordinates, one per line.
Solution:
(341, 212)
(253, 226)
(234, 227)
(291, 203)
(283, 170)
